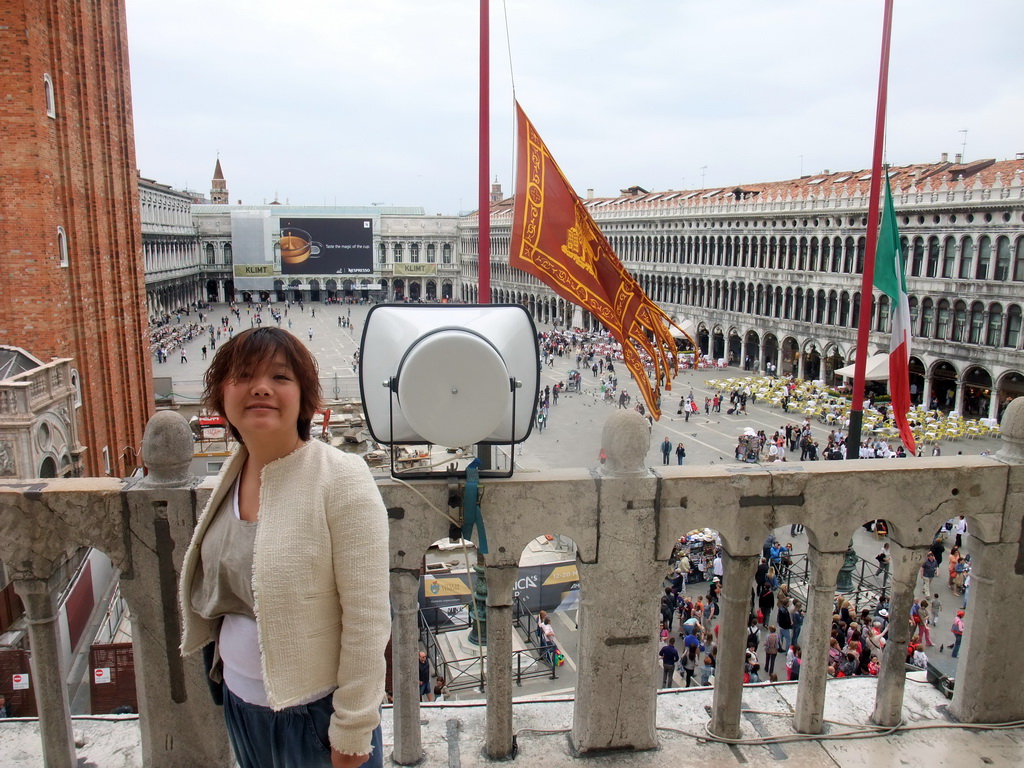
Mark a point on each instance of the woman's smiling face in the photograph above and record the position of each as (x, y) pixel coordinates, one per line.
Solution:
(264, 402)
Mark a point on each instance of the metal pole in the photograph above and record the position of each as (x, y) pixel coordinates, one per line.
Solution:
(867, 278)
(484, 203)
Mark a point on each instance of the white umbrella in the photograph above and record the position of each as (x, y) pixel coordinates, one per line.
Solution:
(876, 367)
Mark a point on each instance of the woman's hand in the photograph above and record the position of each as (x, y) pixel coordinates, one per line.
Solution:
(341, 760)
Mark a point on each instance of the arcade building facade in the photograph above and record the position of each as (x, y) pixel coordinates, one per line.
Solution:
(770, 273)
(170, 248)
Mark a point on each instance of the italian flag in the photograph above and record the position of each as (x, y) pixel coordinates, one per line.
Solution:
(891, 279)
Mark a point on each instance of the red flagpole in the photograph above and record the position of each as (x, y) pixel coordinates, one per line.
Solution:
(868, 276)
(484, 203)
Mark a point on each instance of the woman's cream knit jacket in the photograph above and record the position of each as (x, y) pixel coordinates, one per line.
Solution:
(320, 581)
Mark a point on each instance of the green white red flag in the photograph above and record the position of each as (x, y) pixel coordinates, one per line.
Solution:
(891, 279)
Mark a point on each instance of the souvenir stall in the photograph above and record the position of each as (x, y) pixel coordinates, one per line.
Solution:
(702, 545)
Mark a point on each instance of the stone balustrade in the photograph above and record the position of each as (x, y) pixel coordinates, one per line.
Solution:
(624, 519)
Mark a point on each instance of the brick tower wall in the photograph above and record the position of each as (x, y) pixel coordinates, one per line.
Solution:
(76, 170)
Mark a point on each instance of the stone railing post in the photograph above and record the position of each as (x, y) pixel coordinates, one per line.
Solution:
(984, 692)
(180, 725)
(892, 677)
(738, 573)
(405, 633)
(500, 582)
(48, 674)
(617, 639)
(817, 629)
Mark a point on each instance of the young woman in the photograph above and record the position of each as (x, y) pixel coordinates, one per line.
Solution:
(689, 663)
(954, 558)
(924, 613)
(771, 649)
(286, 578)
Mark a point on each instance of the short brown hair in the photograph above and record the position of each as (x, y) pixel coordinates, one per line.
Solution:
(256, 347)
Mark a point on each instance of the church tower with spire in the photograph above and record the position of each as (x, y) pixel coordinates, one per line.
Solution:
(219, 188)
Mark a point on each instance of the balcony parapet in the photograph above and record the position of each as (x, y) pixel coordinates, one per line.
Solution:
(624, 519)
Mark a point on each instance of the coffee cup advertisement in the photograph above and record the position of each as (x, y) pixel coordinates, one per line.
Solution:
(326, 246)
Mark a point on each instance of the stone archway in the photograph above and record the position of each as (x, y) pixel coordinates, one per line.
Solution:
(771, 351)
(703, 340)
(735, 347)
(1009, 386)
(977, 393)
(812, 363)
(751, 351)
(790, 357)
(718, 344)
(943, 385)
(833, 362)
(917, 375)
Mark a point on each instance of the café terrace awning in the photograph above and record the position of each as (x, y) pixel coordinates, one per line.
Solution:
(877, 367)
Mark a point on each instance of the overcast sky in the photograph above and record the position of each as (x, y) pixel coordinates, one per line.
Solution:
(375, 101)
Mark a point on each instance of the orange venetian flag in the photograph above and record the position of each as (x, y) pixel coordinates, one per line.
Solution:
(555, 240)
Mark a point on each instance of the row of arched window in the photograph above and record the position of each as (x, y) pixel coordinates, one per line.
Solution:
(160, 209)
(169, 254)
(211, 254)
(398, 253)
(990, 325)
(966, 257)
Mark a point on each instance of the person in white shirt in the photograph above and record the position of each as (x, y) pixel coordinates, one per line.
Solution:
(960, 529)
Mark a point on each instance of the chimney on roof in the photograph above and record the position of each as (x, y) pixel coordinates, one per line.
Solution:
(958, 158)
(945, 157)
(590, 193)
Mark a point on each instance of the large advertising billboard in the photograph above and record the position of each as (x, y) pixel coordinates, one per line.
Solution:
(326, 246)
(552, 587)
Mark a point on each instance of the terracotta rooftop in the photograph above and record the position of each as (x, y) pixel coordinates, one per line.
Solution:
(983, 173)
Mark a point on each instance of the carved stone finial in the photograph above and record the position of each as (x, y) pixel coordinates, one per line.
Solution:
(626, 438)
(167, 451)
(1012, 428)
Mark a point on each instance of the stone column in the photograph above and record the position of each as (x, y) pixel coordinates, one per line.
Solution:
(735, 605)
(984, 692)
(926, 392)
(993, 402)
(619, 595)
(892, 676)
(814, 636)
(958, 401)
(179, 725)
(405, 666)
(500, 583)
(48, 673)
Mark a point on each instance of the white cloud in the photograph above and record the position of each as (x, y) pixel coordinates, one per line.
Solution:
(360, 102)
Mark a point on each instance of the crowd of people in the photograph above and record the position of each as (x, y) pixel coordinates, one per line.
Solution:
(776, 617)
